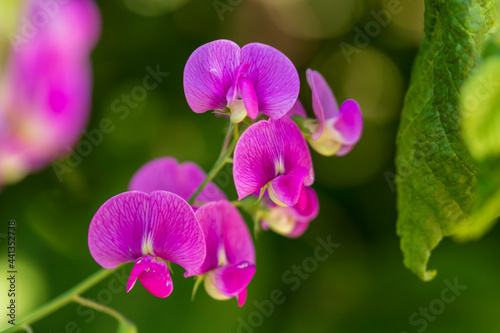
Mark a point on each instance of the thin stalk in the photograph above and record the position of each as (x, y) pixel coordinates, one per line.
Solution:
(101, 308)
(62, 300)
(219, 164)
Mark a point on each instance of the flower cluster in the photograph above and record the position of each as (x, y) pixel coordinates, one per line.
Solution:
(174, 213)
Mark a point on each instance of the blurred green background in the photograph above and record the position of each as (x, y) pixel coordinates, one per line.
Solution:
(362, 287)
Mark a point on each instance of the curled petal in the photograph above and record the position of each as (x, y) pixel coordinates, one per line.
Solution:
(274, 78)
(135, 224)
(231, 280)
(249, 97)
(324, 103)
(209, 74)
(154, 276)
(242, 297)
(285, 190)
(266, 150)
(227, 237)
(349, 122)
(233, 92)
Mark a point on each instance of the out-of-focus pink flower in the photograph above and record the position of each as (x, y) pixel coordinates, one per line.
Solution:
(147, 229)
(230, 261)
(46, 87)
(250, 80)
(166, 174)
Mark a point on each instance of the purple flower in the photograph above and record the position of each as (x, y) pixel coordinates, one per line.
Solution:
(250, 80)
(290, 221)
(147, 229)
(183, 179)
(230, 262)
(336, 131)
(45, 100)
(273, 154)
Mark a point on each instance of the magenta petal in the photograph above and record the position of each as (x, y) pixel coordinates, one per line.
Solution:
(344, 149)
(135, 224)
(302, 201)
(311, 209)
(268, 149)
(242, 297)
(159, 174)
(174, 231)
(298, 230)
(231, 280)
(349, 122)
(233, 92)
(183, 179)
(274, 78)
(141, 264)
(306, 215)
(324, 103)
(156, 279)
(249, 97)
(209, 74)
(288, 188)
(154, 276)
(117, 229)
(227, 237)
(297, 109)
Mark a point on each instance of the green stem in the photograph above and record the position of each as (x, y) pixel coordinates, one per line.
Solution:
(61, 300)
(219, 164)
(101, 308)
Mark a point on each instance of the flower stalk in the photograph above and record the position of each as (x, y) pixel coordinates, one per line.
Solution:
(219, 164)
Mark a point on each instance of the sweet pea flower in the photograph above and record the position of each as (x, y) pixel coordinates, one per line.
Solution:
(230, 262)
(148, 229)
(273, 154)
(166, 174)
(335, 131)
(46, 88)
(290, 221)
(246, 81)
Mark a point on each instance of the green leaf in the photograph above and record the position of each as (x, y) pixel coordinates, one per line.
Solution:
(435, 173)
(481, 128)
